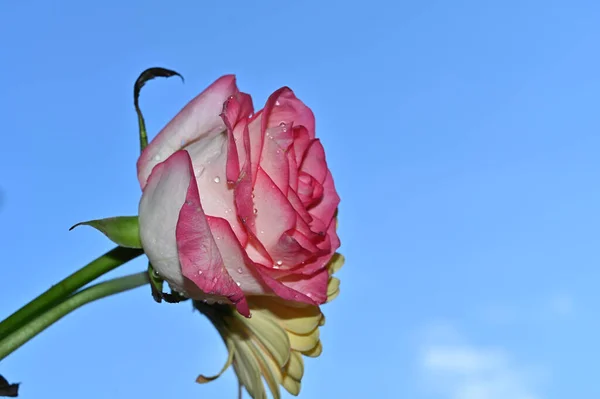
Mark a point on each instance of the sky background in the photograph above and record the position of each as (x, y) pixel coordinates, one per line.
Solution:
(463, 137)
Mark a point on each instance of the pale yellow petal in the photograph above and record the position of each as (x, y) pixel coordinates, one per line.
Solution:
(304, 342)
(336, 263)
(231, 351)
(295, 367)
(333, 285)
(247, 369)
(291, 385)
(274, 338)
(322, 322)
(314, 352)
(299, 318)
(269, 369)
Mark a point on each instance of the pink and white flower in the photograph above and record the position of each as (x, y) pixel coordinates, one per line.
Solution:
(237, 203)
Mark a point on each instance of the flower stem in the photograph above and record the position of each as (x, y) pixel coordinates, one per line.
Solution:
(23, 334)
(105, 263)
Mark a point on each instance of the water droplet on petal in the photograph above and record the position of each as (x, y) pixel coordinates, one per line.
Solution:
(217, 179)
(277, 103)
(238, 283)
(157, 157)
(253, 195)
(255, 211)
(239, 270)
(199, 272)
(215, 279)
(251, 115)
(279, 262)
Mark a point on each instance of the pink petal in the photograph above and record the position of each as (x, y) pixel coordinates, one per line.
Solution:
(210, 157)
(201, 261)
(274, 213)
(302, 141)
(274, 159)
(314, 163)
(238, 264)
(235, 114)
(197, 120)
(325, 209)
(307, 289)
(283, 106)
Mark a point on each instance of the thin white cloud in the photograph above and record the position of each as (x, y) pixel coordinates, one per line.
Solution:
(464, 371)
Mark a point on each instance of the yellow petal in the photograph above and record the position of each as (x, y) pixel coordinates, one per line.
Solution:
(304, 342)
(322, 322)
(248, 370)
(269, 369)
(230, 349)
(295, 367)
(314, 352)
(298, 318)
(336, 263)
(271, 336)
(291, 385)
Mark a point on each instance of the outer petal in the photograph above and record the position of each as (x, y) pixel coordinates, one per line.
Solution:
(159, 208)
(197, 120)
(201, 261)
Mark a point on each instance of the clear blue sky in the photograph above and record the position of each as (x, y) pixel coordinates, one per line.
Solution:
(463, 137)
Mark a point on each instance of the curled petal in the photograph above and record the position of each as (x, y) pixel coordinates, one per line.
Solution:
(199, 255)
(197, 120)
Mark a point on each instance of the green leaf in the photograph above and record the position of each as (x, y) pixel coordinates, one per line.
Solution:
(122, 230)
(145, 76)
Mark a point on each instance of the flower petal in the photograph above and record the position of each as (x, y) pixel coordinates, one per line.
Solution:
(325, 209)
(201, 261)
(284, 106)
(314, 163)
(159, 208)
(197, 120)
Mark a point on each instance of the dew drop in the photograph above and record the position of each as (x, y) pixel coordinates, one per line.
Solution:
(277, 103)
(199, 171)
(279, 262)
(157, 157)
(251, 115)
(239, 270)
(215, 279)
(217, 179)
(238, 283)
(188, 202)
(253, 195)
(199, 272)
(255, 211)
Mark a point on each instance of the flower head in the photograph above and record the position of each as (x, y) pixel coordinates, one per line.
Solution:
(238, 204)
(271, 345)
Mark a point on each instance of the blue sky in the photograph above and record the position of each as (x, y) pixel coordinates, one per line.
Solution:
(463, 137)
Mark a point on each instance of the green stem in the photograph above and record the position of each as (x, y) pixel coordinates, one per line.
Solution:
(17, 338)
(66, 287)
